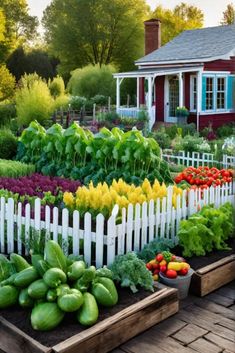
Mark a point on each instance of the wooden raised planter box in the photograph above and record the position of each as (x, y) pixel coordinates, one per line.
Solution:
(211, 277)
(105, 335)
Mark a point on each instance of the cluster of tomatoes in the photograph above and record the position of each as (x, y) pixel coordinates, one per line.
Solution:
(169, 265)
(204, 177)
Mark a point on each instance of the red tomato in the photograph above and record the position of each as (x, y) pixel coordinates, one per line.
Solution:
(156, 272)
(149, 266)
(171, 274)
(163, 268)
(178, 179)
(159, 257)
(183, 272)
(155, 266)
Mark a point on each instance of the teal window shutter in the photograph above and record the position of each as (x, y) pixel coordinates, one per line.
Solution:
(203, 93)
(231, 92)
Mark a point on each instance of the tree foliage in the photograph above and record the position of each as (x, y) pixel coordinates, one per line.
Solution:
(181, 18)
(92, 80)
(36, 60)
(19, 25)
(81, 32)
(7, 83)
(229, 15)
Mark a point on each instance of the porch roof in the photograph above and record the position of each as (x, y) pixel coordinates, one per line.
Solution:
(158, 71)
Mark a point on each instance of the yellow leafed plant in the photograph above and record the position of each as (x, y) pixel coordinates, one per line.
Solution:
(102, 198)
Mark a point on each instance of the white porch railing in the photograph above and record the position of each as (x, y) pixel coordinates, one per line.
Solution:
(133, 112)
(196, 159)
(137, 226)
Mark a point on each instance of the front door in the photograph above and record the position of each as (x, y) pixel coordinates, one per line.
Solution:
(171, 98)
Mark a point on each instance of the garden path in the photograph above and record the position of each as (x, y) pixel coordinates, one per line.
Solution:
(203, 325)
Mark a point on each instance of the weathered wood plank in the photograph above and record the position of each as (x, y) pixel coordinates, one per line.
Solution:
(215, 308)
(227, 292)
(189, 333)
(227, 323)
(219, 341)
(147, 343)
(216, 264)
(220, 299)
(168, 327)
(202, 345)
(115, 330)
(14, 340)
(204, 282)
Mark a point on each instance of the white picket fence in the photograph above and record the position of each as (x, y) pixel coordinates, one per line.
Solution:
(104, 239)
(197, 159)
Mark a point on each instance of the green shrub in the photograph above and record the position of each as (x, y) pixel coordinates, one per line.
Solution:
(77, 102)
(99, 99)
(13, 169)
(226, 130)
(61, 102)
(172, 131)
(28, 80)
(91, 81)
(162, 139)
(34, 103)
(7, 112)
(188, 129)
(56, 86)
(7, 83)
(8, 144)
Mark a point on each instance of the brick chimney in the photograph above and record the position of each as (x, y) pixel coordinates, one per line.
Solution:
(152, 35)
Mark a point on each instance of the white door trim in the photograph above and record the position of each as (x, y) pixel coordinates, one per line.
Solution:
(167, 118)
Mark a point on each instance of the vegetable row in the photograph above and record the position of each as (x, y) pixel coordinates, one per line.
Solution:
(77, 153)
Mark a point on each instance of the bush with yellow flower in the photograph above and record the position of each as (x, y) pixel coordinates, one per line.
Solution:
(102, 198)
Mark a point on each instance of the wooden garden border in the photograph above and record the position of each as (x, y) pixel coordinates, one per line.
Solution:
(211, 277)
(105, 335)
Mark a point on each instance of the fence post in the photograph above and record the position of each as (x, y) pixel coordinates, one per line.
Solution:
(111, 236)
(109, 104)
(10, 225)
(94, 106)
(2, 224)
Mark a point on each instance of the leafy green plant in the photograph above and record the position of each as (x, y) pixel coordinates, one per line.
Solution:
(130, 271)
(77, 102)
(226, 130)
(206, 231)
(56, 86)
(14, 169)
(162, 139)
(79, 154)
(154, 247)
(8, 144)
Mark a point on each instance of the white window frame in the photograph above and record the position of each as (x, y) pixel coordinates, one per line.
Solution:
(213, 92)
(225, 92)
(192, 103)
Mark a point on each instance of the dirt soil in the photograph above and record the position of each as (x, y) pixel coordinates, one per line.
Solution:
(69, 326)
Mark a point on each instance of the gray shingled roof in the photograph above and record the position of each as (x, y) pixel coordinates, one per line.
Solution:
(196, 44)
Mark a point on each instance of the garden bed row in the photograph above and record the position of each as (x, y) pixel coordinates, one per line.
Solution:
(118, 324)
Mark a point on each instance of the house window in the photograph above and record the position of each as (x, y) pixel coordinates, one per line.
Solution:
(220, 95)
(209, 93)
(193, 95)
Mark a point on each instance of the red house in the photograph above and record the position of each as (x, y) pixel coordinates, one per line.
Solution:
(196, 70)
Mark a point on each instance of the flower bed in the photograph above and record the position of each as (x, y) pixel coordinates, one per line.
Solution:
(102, 199)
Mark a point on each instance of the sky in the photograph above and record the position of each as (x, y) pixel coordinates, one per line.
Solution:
(213, 9)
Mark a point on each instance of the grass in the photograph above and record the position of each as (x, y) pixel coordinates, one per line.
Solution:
(13, 169)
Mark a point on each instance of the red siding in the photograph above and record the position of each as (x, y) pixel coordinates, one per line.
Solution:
(221, 65)
(159, 99)
(216, 119)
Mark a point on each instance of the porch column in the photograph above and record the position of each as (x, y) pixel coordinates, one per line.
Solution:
(138, 93)
(181, 98)
(150, 93)
(199, 97)
(118, 93)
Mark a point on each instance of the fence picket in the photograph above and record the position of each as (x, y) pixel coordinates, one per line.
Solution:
(163, 218)
(65, 225)
(10, 225)
(129, 225)
(48, 223)
(137, 227)
(19, 228)
(144, 239)
(151, 220)
(99, 240)
(157, 217)
(2, 224)
(76, 240)
(87, 238)
(55, 223)
(27, 227)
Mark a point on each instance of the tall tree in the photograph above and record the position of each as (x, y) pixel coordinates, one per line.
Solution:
(181, 18)
(82, 32)
(19, 25)
(228, 15)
